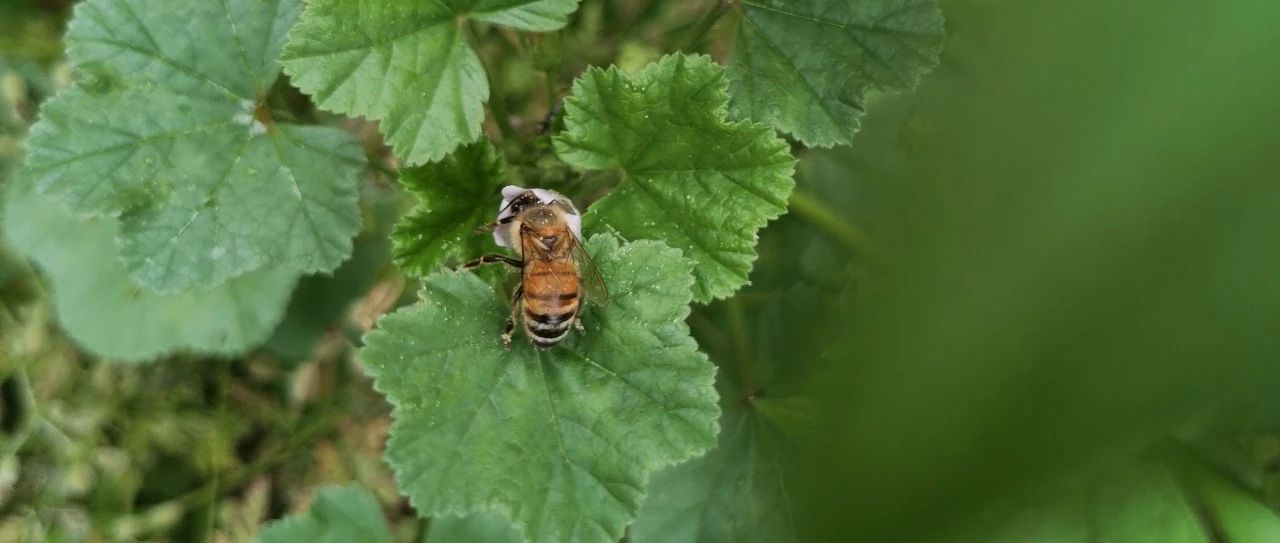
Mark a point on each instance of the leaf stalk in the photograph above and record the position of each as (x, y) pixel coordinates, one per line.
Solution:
(704, 25)
(827, 220)
(18, 387)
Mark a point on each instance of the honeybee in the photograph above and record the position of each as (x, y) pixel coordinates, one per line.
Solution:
(544, 229)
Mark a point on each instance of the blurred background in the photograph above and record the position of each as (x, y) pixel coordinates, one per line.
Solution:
(1037, 299)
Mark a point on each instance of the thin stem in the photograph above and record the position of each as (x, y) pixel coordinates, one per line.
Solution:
(1184, 467)
(704, 25)
(19, 387)
(827, 220)
(641, 18)
(264, 463)
(211, 508)
(378, 166)
(553, 94)
(422, 529)
(744, 361)
(501, 115)
(551, 70)
(54, 435)
(512, 39)
(10, 319)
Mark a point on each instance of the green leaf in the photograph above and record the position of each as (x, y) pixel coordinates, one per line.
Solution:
(168, 131)
(560, 441)
(1175, 502)
(107, 313)
(455, 196)
(806, 66)
(473, 528)
(407, 64)
(1238, 515)
(1136, 502)
(692, 179)
(734, 493)
(338, 514)
(320, 302)
(1143, 505)
(739, 490)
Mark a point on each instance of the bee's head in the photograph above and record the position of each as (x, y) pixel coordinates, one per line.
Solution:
(522, 203)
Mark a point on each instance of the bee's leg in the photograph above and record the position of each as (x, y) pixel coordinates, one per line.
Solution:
(510, 326)
(494, 225)
(490, 259)
(507, 330)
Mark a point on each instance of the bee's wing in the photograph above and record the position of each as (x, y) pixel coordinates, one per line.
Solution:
(592, 283)
(556, 279)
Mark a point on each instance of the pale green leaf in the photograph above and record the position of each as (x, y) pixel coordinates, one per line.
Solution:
(209, 50)
(473, 528)
(735, 493)
(560, 441)
(320, 302)
(1175, 502)
(692, 179)
(407, 64)
(338, 514)
(1238, 514)
(107, 313)
(455, 196)
(1137, 503)
(806, 66)
(1144, 504)
(168, 132)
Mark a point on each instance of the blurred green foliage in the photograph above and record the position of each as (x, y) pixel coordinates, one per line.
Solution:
(1083, 266)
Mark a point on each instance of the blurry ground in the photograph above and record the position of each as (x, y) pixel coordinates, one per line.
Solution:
(182, 449)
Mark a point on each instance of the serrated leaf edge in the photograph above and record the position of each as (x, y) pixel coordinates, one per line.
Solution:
(646, 469)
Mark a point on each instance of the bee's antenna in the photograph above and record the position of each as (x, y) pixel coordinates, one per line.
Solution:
(508, 205)
(491, 226)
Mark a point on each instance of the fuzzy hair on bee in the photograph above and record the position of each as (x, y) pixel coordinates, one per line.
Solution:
(544, 230)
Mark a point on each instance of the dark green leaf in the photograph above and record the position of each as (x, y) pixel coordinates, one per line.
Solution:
(806, 66)
(736, 492)
(407, 64)
(455, 196)
(167, 131)
(473, 528)
(693, 180)
(320, 301)
(103, 309)
(560, 441)
(338, 514)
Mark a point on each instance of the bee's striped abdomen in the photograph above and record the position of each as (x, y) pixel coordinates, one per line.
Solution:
(550, 301)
